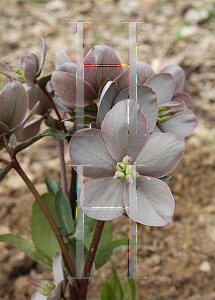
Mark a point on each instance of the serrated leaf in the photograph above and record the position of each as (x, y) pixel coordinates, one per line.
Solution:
(64, 212)
(117, 293)
(57, 134)
(4, 171)
(106, 291)
(165, 178)
(24, 245)
(26, 144)
(42, 235)
(52, 185)
(13, 141)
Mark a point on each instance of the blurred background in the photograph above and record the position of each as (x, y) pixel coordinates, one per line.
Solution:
(178, 260)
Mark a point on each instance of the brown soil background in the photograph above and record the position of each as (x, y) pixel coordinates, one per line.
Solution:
(178, 260)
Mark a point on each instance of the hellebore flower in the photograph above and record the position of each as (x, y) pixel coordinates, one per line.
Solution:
(110, 155)
(174, 114)
(13, 109)
(48, 290)
(101, 64)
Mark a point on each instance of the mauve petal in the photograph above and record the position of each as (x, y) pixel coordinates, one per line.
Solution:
(177, 74)
(104, 56)
(147, 100)
(155, 203)
(56, 293)
(69, 67)
(184, 97)
(60, 58)
(57, 268)
(30, 129)
(38, 296)
(3, 128)
(36, 94)
(87, 147)
(161, 154)
(163, 85)
(115, 130)
(102, 199)
(13, 104)
(65, 87)
(122, 80)
(107, 97)
(157, 129)
(31, 66)
(42, 56)
(183, 124)
(142, 70)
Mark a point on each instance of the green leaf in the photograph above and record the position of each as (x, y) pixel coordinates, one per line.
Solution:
(24, 245)
(80, 263)
(57, 134)
(89, 112)
(64, 212)
(129, 288)
(165, 178)
(42, 81)
(117, 244)
(53, 123)
(26, 144)
(4, 171)
(117, 293)
(106, 291)
(42, 235)
(13, 141)
(105, 248)
(52, 186)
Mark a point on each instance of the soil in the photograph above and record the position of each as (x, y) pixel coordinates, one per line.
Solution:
(176, 261)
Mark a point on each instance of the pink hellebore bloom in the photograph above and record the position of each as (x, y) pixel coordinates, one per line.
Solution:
(110, 155)
(101, 64)
(13, 109)
(47, 290)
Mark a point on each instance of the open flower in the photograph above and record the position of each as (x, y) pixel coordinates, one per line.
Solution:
(110, 155)
(13, 109)
(48, 290)
(101, 64)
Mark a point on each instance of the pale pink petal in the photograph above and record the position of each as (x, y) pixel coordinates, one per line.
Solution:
(163, 85)
(177, 74)
(42, 56)
(31, 66)
(60, 58)
(38, 296)
(115, 128)
(36, 94)
(102, 199)
(184, 98)
(183, 124)
(161, 154)
(154, 204)
(87, 147)
(57, 268)
(101, 64)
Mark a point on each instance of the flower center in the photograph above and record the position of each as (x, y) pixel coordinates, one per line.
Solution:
(125, 171)
(169, 110)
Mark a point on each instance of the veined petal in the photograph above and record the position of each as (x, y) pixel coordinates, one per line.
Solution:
(57, 268)
(87, 147)
(163, 85)
(184, 97)
(183, 124)
(65, 87)
(125, 115)
(36, 94)
(177, 74)
(42, 56)
(13, 103)
(101, 64)
(30, 129)
(38, 296)
(3, 128)
(147, 100)
(31, 66)
(69, 67)
(102, 199)
(161, 154)
(107, 97)
(60, 58)
(157, 129)
(154, 203)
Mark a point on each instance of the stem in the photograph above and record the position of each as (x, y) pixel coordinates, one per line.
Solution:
(62, 168)
(90, 258)
(55, 109)
(72, 195)
(4, 161)
(48, 215)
